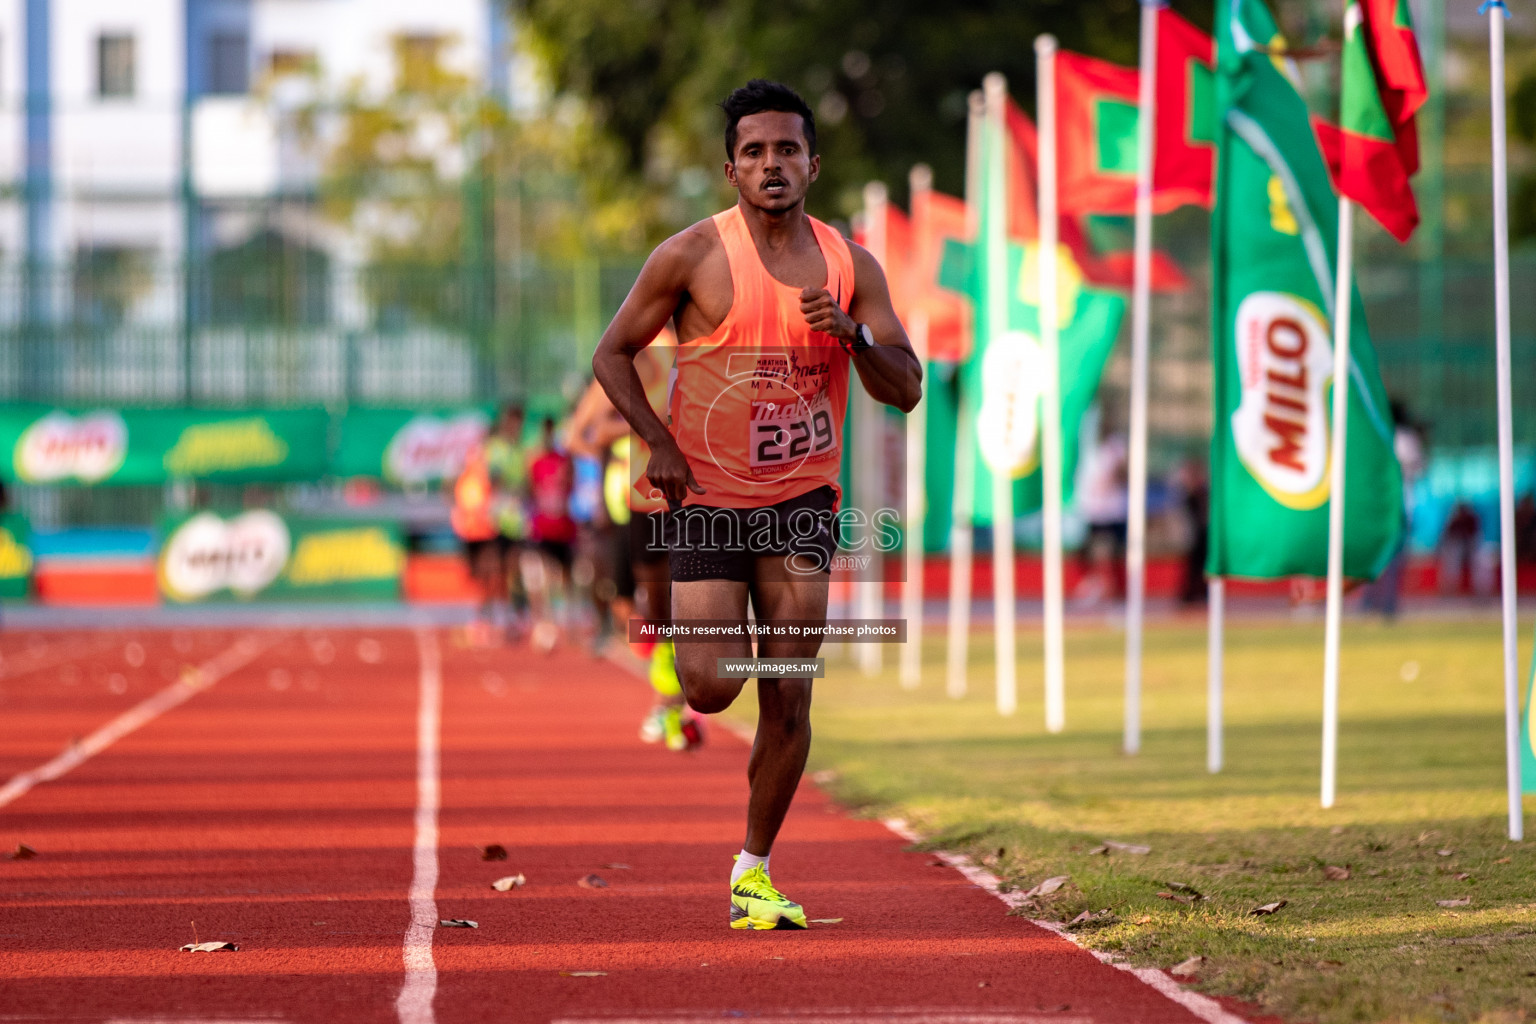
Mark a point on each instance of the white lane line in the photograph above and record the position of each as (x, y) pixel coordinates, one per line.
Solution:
(188, 686)
(414, 1004)
(898, 1015)
(1204, 1007)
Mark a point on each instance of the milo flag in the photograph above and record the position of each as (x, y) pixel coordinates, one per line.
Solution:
(1528, 736)
(1273, 236)
(1002, 381)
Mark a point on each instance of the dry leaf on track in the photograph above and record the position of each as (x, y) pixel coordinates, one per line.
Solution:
(493, 852)
(509, 883)
(583, 974)
(1268, 908)
(1187, 968)
(1132, 848)
(1048, 886)
(1092, 919)
(23, 852)
(592, 882)
(826, 920)
(210, 947)
(457, 922)
(1460, 901)
(1335, 873)
(617, 867)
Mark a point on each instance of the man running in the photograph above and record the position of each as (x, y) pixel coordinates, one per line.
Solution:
(769, 306)
(640, 577)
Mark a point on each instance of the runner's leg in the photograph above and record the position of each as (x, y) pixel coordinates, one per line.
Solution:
(784, 705)
(707, 693)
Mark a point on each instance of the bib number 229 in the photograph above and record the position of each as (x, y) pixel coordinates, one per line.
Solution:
(791, 438)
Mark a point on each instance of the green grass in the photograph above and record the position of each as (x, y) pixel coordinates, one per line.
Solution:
(1421, 771)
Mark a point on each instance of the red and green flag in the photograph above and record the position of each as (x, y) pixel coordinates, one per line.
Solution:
(1399, 72)
(912, 286)
(1184, 164)
(1097, 114)
(1096, 111)
(1370, 155)
(1103, 259)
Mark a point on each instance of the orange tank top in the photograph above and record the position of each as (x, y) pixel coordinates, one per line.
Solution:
(757, 406)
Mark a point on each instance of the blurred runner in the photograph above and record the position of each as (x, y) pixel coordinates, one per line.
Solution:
(770, 307)
(551, 479)
(641, 581)
(490, 519)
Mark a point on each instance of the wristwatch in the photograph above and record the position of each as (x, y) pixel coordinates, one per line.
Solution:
(862, 339)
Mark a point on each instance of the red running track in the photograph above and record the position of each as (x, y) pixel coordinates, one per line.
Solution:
(277, 806)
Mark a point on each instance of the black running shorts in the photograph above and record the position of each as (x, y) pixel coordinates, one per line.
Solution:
(709, 543)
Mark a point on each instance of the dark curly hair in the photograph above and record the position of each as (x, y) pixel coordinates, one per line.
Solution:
(761, 95)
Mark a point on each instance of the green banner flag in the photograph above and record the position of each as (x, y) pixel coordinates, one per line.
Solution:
(15, 555)
(46, 445)
(1273, 239)
(258, 554)
(408, 447)
(1527, 750)
(1002, 379)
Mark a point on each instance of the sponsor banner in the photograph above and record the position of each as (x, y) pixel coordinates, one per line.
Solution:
(15, 556)
(258, 554)
(42, 445)
(408, 448)
(1528, 735)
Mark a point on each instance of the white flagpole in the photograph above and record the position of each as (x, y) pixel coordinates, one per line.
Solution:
(1342, 308)
(1050, 399)
(994, 234)
(1215, 639)
(1496, 15)
(965, 441)
(1141, 295)
(871, 434)
(920, 187)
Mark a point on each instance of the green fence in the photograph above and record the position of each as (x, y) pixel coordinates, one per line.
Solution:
(319, 335)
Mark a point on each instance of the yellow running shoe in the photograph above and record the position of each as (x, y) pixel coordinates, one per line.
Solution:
(663, 670)
(757, 905)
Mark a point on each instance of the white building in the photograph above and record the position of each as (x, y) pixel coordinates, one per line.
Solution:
(133, 132)
(96, 97)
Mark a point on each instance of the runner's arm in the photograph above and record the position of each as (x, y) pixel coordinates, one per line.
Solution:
(890, 370)
(657, 292)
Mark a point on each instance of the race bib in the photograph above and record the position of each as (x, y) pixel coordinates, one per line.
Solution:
(785, 434)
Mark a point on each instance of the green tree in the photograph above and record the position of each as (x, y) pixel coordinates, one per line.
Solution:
(887, 78)
(445, 190)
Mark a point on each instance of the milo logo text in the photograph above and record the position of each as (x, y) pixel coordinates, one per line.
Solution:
(1008, 422)
(428, 448)
(59, 447)
(207, 554)
(1280, 428)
